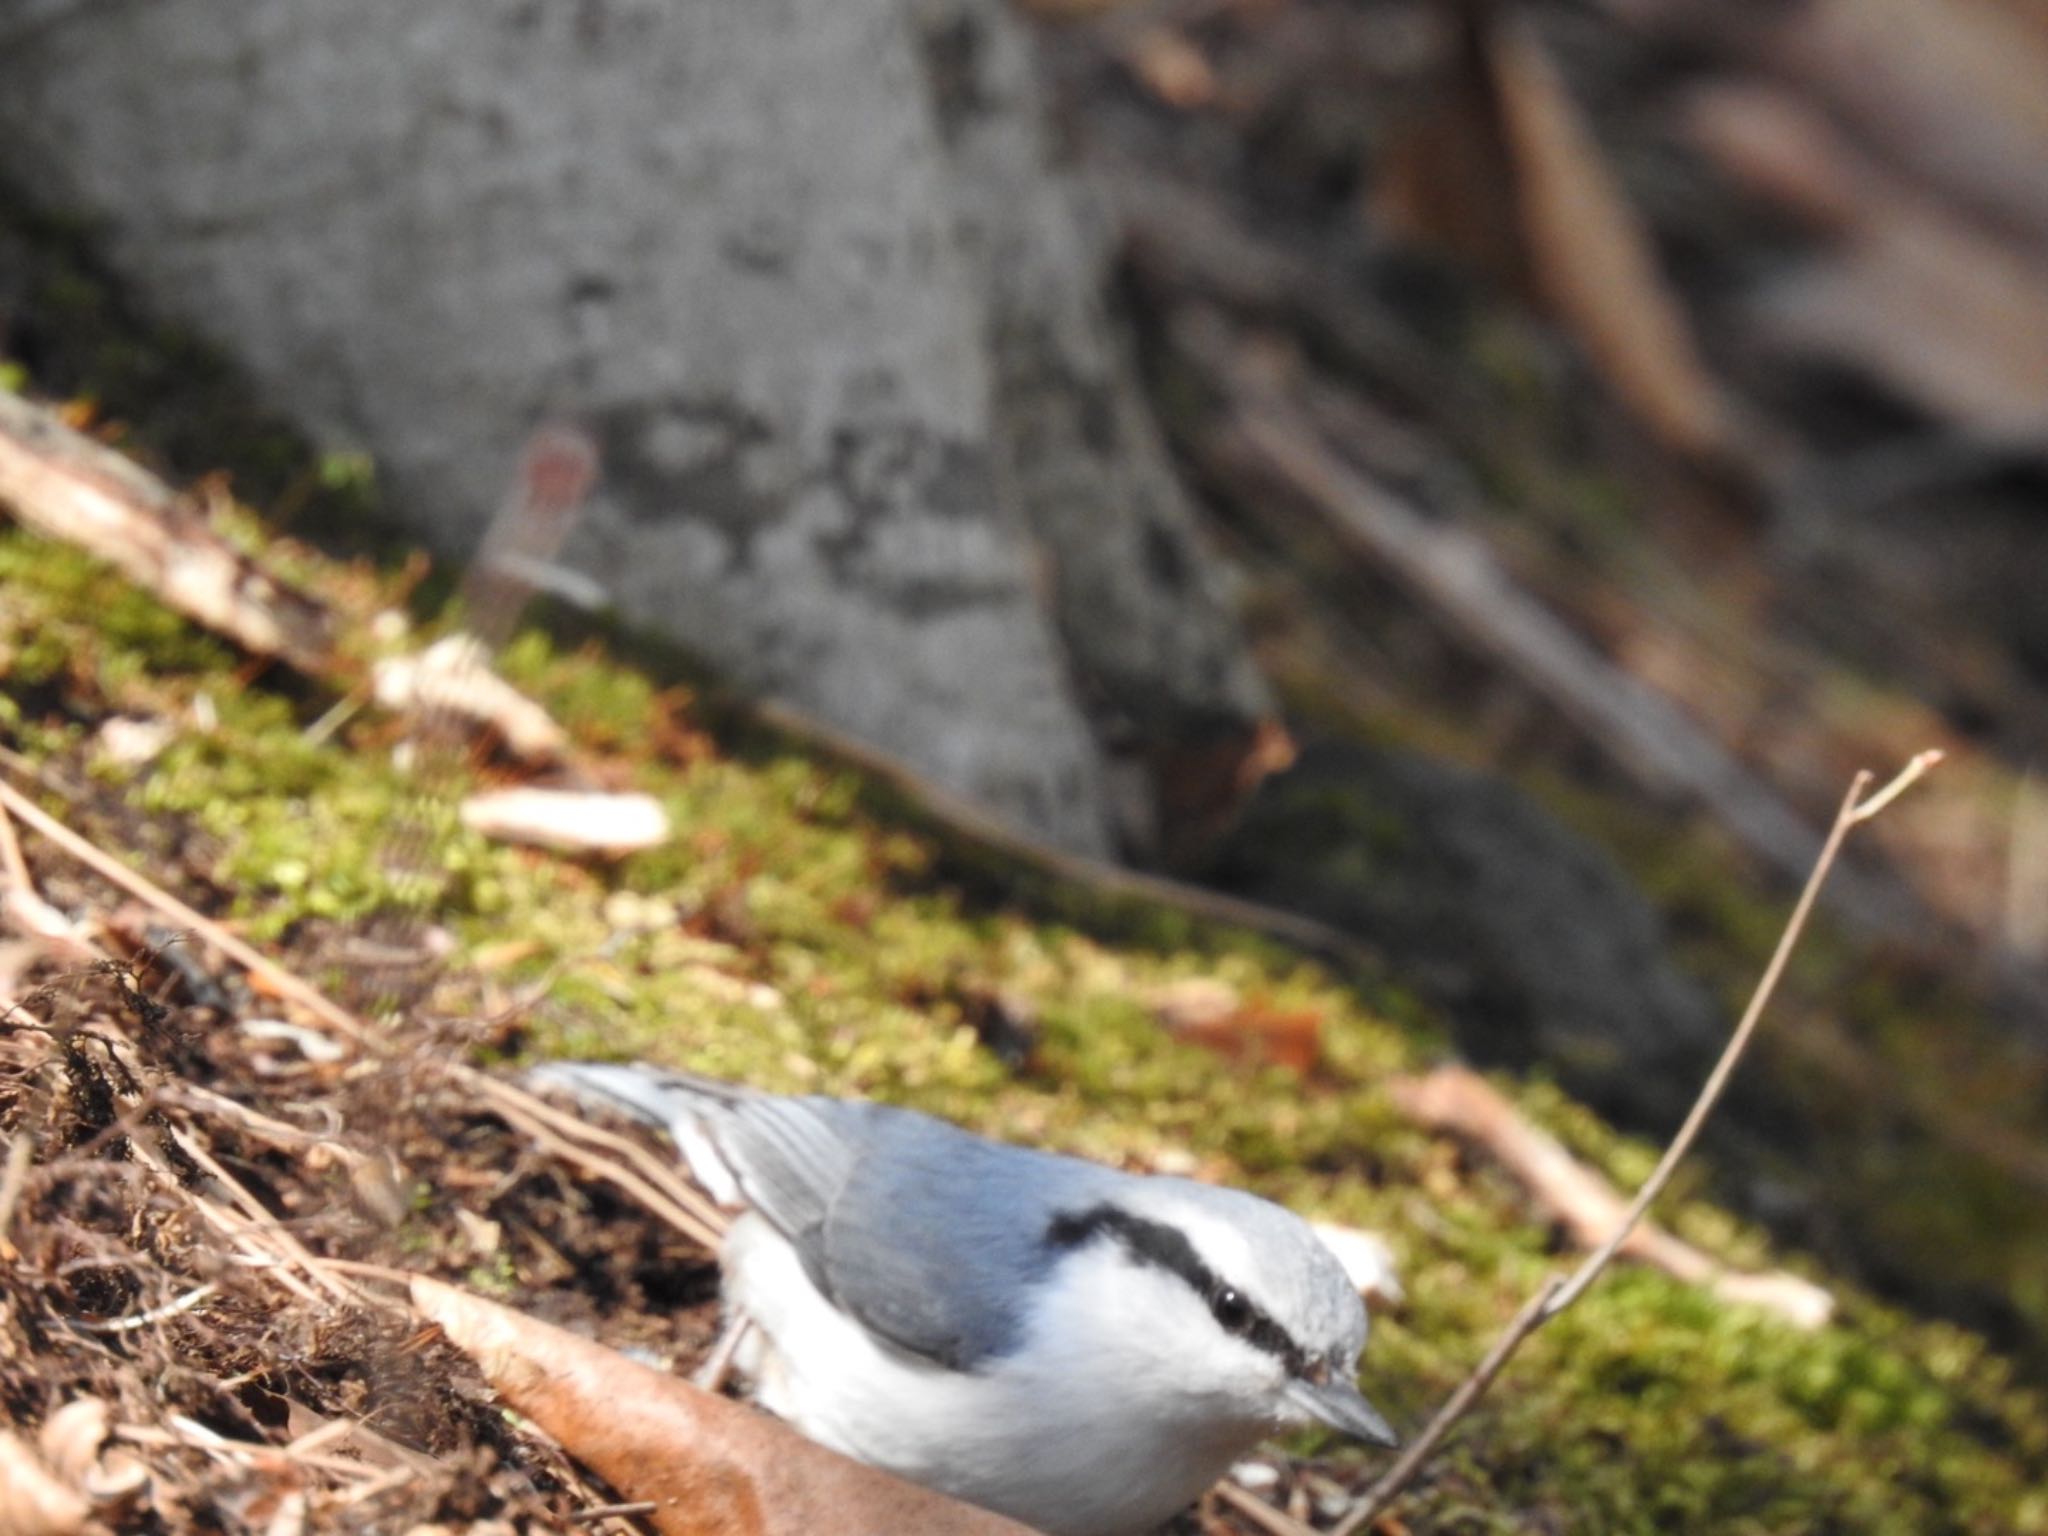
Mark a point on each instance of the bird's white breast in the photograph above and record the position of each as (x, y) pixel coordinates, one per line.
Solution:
(1089, 1429)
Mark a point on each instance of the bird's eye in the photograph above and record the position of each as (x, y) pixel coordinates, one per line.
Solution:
(1231, 1310)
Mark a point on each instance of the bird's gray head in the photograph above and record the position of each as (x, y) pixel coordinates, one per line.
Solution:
(1221, 1298)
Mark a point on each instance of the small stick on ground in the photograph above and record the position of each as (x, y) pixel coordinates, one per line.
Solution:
(20, 899)
(1276, 1522)
(12, 865)
(281, 981)
(611, 1511)
(658, 1188)
(249, 1218)
(1558, 1293)
(717, 1365)
(1456, 1099)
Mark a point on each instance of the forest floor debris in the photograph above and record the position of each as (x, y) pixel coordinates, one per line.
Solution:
(200, 1216)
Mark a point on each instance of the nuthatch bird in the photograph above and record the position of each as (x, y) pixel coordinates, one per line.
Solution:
(1081, 1349)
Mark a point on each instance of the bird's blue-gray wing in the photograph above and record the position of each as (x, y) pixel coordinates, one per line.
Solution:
(928, 1235)
(937, 1238)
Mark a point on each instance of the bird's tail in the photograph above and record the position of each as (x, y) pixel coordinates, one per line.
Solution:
(684, 1105)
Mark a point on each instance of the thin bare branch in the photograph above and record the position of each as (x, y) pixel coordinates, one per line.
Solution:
(1904, 780)
(1265, 1516)
(1556, 1293)
(655, 1186)
(1738, 1043)
(1424, 1445)
(281, 981)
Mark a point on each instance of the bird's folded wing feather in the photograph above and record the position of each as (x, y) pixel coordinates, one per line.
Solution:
(928, 1235)
(931, 1237)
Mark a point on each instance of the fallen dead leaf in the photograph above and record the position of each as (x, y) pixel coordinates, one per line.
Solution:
(129, 742)
(1171, 68)
(1211, 1014)
(70, 1438)
(33, 1502)
(1591, 258)
(711, 1467)
(1507, 174)
(1947, 95)
(1949, 314)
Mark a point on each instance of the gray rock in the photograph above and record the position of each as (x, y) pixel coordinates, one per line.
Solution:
(806, 267)
(1531, 940)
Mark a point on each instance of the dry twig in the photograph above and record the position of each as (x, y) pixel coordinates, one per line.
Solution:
(1559, 1292)
(20, 899)
(1456, 1099)
(66, 486)
(1455, 572)
(654, 1184)
(1276, 1522)
(281, 981)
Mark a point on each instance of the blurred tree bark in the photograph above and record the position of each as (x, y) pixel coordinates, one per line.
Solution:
(808, 270)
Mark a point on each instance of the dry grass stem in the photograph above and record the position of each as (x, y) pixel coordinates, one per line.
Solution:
(286, 1137)
(181, 1430)
(609, 1511)
(655, 1186)
(283, 982)
(1557, 1293)
(154, 1315)
(259, 1222)
(13, 1175)
(390, 1480)
(1255, 1509)
(711, 1375)
(12, 864)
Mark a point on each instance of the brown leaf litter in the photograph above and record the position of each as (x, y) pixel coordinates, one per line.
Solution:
(197, 1203)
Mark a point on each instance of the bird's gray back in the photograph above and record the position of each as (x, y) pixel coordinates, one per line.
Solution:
(928, 1234)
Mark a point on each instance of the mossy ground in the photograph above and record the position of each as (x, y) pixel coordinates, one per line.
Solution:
(795, 936)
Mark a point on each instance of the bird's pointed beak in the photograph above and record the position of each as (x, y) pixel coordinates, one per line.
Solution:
(1343, 1407)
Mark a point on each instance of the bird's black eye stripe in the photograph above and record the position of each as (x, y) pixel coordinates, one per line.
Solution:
(1236, 1313)
(1155, 1243)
